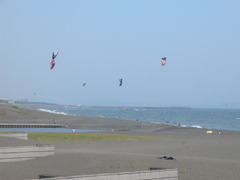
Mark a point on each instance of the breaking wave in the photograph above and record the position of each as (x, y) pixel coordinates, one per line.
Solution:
(52, 111)
(194, 126)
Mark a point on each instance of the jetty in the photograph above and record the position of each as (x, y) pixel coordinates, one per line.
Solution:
(21, 125)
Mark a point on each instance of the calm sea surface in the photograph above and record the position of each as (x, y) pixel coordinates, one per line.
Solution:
(227, 119)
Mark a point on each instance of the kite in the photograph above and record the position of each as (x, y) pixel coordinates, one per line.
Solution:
(120, 82)
(164, 59)
(52, 62)
(84, 84)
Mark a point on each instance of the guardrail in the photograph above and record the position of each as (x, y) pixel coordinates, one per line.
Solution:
(14, 125)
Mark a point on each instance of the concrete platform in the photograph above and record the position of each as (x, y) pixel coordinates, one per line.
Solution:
(165, 174)
(21, 153)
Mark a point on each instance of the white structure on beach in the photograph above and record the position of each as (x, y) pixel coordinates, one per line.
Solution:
(22, 153)
(164, 174)
(4, 100)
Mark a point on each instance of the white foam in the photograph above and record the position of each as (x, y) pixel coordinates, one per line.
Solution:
(52, 111)
(196, 126)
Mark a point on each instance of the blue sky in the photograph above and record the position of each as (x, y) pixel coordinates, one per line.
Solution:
(101, 41)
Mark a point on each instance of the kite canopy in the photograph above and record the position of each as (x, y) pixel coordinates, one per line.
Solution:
(209, 132)
(120, 82)
(164, 59)
(52, 62)
(54, 54)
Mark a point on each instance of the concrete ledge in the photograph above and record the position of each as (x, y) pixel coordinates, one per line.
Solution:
(23, 136)
(166, 174)
(12, 154)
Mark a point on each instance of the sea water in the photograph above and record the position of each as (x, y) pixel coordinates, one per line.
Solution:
(226, 119)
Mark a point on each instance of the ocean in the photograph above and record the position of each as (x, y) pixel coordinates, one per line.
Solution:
(225, 119)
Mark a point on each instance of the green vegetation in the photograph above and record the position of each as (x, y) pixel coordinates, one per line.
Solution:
(13, 106)
(16, 109)
(75, 137)
(8, 132)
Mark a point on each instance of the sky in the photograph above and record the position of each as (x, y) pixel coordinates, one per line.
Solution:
(101, 41)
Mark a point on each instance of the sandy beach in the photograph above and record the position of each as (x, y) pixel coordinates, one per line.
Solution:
(197, 155)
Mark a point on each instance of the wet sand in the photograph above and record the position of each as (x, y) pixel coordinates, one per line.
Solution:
(197, 155)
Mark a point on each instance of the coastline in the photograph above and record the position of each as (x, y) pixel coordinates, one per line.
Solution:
(198, 155)
(210, 118)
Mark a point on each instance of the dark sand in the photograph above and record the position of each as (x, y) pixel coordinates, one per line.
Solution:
(198, 155)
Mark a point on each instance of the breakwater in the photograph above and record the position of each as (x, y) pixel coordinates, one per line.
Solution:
(20, 125)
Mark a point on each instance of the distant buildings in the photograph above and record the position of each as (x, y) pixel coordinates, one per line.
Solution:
(4, 100)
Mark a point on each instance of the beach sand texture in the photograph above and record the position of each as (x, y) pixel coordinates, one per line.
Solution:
(198, 155)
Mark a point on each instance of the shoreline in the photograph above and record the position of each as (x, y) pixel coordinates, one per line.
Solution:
(51, 109)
